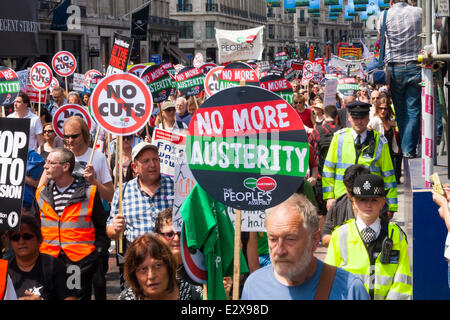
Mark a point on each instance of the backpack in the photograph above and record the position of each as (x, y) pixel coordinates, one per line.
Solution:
(326, 135)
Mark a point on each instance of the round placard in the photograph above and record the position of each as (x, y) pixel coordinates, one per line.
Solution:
(121, 104)
(9, 86)
(41, 76)
(248, 148)
(66, 111)
(64, 63)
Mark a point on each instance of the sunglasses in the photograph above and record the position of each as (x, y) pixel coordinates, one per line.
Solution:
(382, 108)
(73, 136)
(170, 110)
(24, 236)
(48, 131)
(170, 235)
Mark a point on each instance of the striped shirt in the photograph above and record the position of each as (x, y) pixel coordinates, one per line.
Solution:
(62, 197)
(403, 26)
(140, 210)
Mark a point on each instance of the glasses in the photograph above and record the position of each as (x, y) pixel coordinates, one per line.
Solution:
(382, 108)
(170, 110)
(48, 131)
(24, 236)
(54, 163)
(170, 235)
(73, 136)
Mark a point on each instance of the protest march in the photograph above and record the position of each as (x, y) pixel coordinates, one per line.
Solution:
(294, 178)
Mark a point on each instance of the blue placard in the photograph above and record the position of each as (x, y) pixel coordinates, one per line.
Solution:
(155, 58)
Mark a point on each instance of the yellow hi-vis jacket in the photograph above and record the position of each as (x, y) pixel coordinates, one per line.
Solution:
(342, 154)
(388, 281)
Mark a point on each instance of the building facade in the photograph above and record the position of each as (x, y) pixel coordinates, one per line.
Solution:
(198, 20)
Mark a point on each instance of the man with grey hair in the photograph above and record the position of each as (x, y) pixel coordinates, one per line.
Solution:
(181, 111)
(295, 274)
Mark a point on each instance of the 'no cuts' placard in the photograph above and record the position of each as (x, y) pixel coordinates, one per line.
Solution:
(64, 63)
(121, 104)
(65, 112)
(13, 163)
(40, 76)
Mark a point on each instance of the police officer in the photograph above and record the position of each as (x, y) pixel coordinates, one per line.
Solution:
(374, 249)
(358, 145)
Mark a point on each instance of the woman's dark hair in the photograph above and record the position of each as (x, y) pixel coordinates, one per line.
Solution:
(163, 216)
(33, 224)
(144, 246)
(25, 98)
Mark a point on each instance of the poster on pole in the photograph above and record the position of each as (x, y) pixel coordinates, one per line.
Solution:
(248, 148)
(14, 139)
(239, 45)
(171, 148)
(9, 86)
(121, 104)
(64, 63)
(158, 81)
(40, 76)
(235, 72)
(212, 81)
(65, 112)
(279, 85)
(120, 54)
(189, 81)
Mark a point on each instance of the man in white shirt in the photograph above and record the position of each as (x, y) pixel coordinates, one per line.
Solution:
(22, 111)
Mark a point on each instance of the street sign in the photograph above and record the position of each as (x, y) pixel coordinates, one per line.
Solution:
(66, 111)
(121, 104)
(64, 63)
(156, 58)
(41, 76)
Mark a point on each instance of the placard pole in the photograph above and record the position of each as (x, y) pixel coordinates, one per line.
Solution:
(119, 155)
(237, 247)
(95, 143)
(39, 104)
(3, 115)
(67, 88)
(160, 115)
(237, 254)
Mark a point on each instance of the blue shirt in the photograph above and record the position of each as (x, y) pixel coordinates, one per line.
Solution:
(262, 285)
(140, 210)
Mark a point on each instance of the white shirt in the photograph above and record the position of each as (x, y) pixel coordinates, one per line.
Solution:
(376, 226)
(362, 135)
(35, 128)
(99, 162)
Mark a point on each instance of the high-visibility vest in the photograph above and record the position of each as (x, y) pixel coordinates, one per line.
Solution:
(3, 277)
(342, 154)
(73, 231)
(388, 281)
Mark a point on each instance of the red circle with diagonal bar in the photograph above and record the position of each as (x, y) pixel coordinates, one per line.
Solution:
(121, 104)
(64, 63)
(40, 76)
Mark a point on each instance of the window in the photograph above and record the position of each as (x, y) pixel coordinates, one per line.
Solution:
(187, 30)
(271, 31)
(302, 31)
(210, 32)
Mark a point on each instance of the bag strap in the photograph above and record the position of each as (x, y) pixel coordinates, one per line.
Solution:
(383, 37)
(325, 282)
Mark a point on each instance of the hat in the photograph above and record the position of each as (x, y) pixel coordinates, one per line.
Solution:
(141, 146)
(319, 106)
(358, 108)
(167, 104)
(368, 186)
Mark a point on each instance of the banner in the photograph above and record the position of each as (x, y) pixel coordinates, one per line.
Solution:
(139, 22)
(13, 158)
(236, 45)
(120, 54)
(19, 28)
(273, 3)
(171, 148)
(349, 67)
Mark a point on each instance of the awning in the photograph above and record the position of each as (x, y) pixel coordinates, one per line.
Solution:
(177, 53)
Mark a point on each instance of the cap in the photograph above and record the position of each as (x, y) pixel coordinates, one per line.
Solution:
(167, 104)
(358, 108)
(319, 106)
(141, 146)
(368, 186)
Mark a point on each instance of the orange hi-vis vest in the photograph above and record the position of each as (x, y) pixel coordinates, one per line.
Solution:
(3, 277)
(73, 231)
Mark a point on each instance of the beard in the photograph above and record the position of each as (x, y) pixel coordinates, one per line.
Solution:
(290, 268)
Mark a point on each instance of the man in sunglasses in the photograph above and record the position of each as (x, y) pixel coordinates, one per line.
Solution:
(72, 218)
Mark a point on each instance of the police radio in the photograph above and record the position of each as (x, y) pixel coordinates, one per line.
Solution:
(386, 249)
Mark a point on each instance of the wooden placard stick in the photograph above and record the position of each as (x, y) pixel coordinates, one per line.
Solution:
(3, 115)
(119, 155)
(39, 104)
(67, 88)
(95, 143)
(160, 115)
(237, 247)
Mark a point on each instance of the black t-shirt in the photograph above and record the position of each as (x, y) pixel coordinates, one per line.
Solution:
(50, 286)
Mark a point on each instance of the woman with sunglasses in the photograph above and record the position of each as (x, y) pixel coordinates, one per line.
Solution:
(383, 122)
(150, 271)
(51, 141)
(35, 275)
(164, 228)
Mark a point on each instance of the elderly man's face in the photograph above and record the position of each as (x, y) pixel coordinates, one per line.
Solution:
(291, 245)
(180, 107)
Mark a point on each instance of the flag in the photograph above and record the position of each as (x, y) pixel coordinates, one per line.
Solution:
(366, 52)
(139, 22)
(60, 17)
(209, 229)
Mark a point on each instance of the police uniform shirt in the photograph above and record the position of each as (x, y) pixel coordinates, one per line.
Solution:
(362, 135)
(375, 226)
